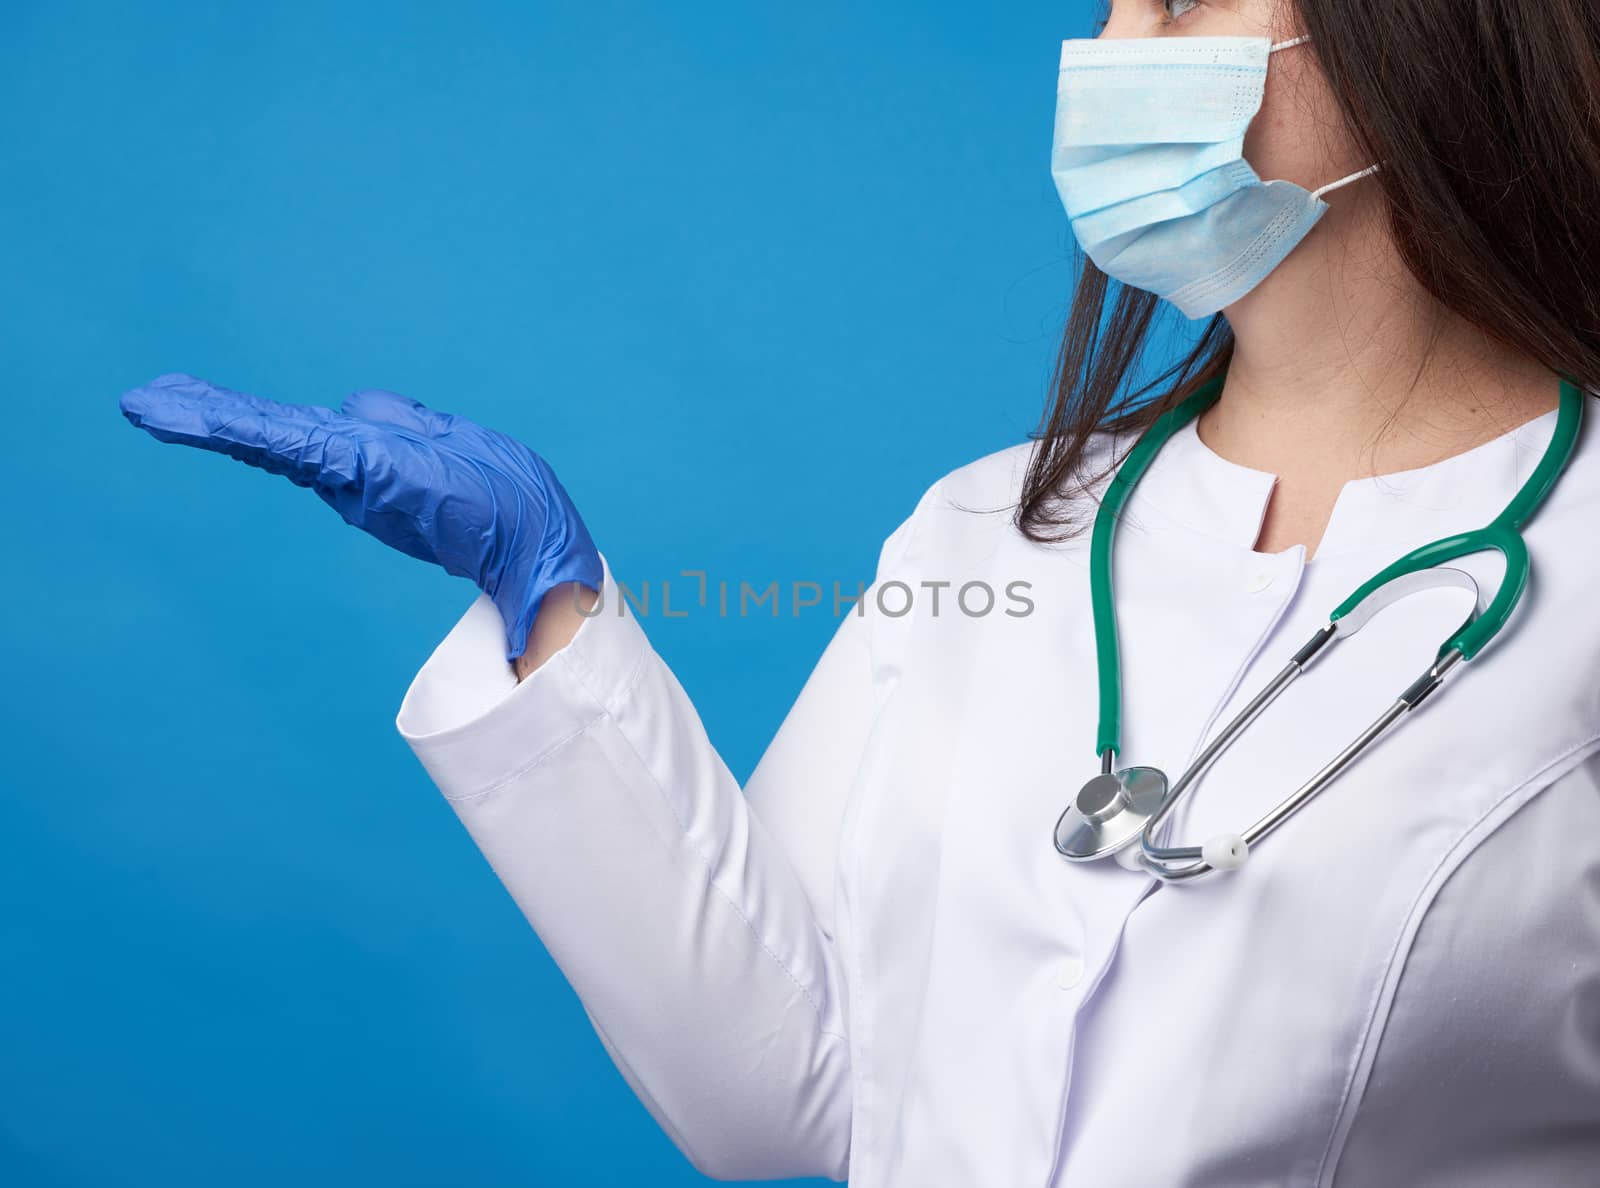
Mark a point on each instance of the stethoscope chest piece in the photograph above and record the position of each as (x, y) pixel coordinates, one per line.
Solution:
(1110, 812)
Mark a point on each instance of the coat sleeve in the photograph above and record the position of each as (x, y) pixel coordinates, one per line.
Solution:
(693, 924)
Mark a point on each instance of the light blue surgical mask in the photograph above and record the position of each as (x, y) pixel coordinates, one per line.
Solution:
(1148, 160)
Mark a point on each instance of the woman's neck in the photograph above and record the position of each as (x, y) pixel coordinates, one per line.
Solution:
(1344, 368)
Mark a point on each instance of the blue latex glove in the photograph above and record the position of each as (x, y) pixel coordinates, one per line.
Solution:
(432, 485)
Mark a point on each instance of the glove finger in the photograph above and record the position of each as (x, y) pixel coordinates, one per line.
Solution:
(446, 429)
(386, 483)
(310, 454)
(310, 447)
(390, 408)
(188, 388)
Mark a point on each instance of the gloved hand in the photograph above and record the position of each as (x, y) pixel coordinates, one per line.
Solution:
(430, 484)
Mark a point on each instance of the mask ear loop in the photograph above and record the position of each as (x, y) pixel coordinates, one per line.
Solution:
(1345, 181)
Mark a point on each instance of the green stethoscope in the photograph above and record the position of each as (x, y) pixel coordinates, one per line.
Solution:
(1119, 807)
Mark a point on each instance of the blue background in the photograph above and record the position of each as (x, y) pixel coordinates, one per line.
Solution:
(751, 276)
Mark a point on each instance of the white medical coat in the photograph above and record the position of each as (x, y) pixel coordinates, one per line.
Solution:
(872, 962)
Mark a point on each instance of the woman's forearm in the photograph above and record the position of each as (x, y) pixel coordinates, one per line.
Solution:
(560, 616)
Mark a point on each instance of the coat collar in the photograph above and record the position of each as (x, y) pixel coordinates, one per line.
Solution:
(1191, 488)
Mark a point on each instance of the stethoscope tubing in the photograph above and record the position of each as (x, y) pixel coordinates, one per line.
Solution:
(1421, 568)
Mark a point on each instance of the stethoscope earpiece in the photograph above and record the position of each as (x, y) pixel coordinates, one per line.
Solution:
(1226, 851)
(1131, 857)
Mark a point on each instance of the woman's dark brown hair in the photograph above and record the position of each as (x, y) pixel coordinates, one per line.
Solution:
(1486, 115)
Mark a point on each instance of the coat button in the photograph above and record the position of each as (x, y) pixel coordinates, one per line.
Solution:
(1069, 972)
(1258, 581)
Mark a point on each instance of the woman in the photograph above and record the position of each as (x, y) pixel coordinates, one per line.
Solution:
(871, 961)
